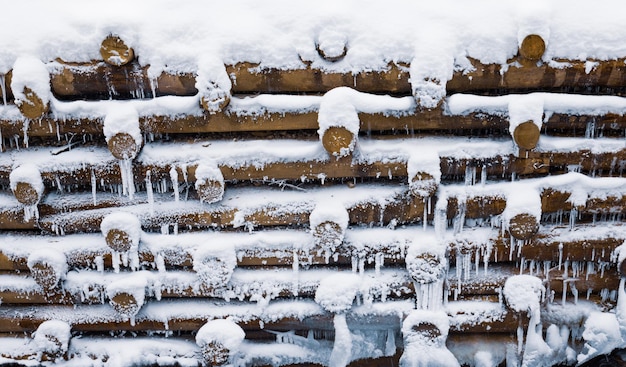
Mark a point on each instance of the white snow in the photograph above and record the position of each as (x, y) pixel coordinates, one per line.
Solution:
(133, 285)
(29, 174)
(423, 161)
(523, 293)
(209, 172)
(223, 331)
(521, 199)
(215, 263)
(329, 211)
(50, 257)
(426, 259)
(212, 82)
(336, 292)
(426, 348)
(125, 222)
(122, 118)
(601, 335)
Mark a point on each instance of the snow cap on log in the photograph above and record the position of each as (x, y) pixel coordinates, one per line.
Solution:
(213, 84)
(52, 338)
(30, 84)
(426, 259)
(432, 67)
(331, 44)
(209, 182)
(114, 51)
(329, 221)
(524, 293)
(533, 30)
(215, 264)
(48, 267)
(620, 255)
(526, 119)
(425, 334)
(336, 292)
(601, 334)
(122, 231)
(127, 295)
(219, 340)
(27, 184)
(424, 172)
(523, 210)
(121, 131)
(338, 121)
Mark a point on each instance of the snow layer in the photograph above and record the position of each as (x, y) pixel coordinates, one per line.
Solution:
(336, 292)
(123, 118)
(601, 334)
(426, 348)
(30, 72)
(52, 337)
(523, 293)
(50, 257)
(27, 173)
(125, 222)
(215, 263)
(331, 211)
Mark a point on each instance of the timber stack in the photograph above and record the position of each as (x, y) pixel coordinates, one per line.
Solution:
(248, 215)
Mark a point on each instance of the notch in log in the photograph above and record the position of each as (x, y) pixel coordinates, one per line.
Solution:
(532, 48)
(114, 51)
(214, 99)
(52, 339)
(329, 221)
(215, 264)
(127, 295)
(32, 106)
(30, 84)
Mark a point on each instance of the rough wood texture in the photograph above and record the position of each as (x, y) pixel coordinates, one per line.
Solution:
(526, 135)
(115, 52)
(523, 226)
(532, 48)
(32, 107)
(338, 141)
(123, 146)
(26, 194)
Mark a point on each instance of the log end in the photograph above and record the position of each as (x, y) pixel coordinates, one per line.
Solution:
(210, 191)
(328, 235)
(338, 141)
(32, 107)
(425, 267)
(423, 185)
(526, 135)
(125, 304)
(115, 52)
(215, 354)
(123, 146)
(118, 240)
(523, 226)
(45, 276)
(26, 194)
(214, 104)
(331, 55)
(532, 47)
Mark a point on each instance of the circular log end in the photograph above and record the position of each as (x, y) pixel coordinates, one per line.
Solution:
(125, 304)
(214, 105)
(338, 141)
(328, 235)
(523, 226)
(425, 268)
(331, 55)
(532, 47)
(26, 194)
(115, 52)
(526, 135)
(123, 146)
(215, 354)
(423, 185)
(210, 191)
(118, 240)
(45, 276)
(427, 330)
(32, 107)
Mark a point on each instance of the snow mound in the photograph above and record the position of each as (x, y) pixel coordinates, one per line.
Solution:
(332, 43)
(426, 259)
(52, 337)
(124, 222)
(329, 221)
(525, 108)
(425, 334)
(213, 83)
(54, 259)
(31, 73)
(120, 290)
(521, 198)
(420, 165)
(209, 182)
(601, 334)
(336, 292)
(524, 293)
(215, 264)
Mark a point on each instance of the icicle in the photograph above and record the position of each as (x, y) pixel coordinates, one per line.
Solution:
(25, 126)
(560, 255)
(355, 264)
(483, 175)
(520, 338)
(149, 192)
(174, 178)
(3, 86)
(390, 343)
(128, 184)
(425, 219)
(572, 218)
(30, 212)
(295, 266)
(99, 261)
(160, 263)
(379, 261)
(574, 290)
(361, 266)
(429, 296)
(93, 187)
(342, 347)
(115, 261)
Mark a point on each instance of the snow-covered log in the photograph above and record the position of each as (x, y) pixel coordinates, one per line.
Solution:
(122, 132)
(114, 51)
(48, 267)
(127, 296)
(331, 44)
(339, 122)
(209, 182)
(214, 85)
(122, 231)
(219, 340)
(328, 222)
(424, 172)
(214, 264)
(523, 211)
(30, 84)
(51, 340)
(425, 334)
(27, 184)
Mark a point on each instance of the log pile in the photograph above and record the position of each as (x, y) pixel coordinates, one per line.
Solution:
(134, 225)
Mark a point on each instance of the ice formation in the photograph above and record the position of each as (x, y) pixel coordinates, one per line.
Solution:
(219, 340)
(424, 172)
(425, 333)
(427, 264)
(209, 182)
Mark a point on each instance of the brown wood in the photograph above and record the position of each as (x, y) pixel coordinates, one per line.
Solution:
(26, 194)
(118, 240)
(338, 141)
(115, 52)
(210, 191)
(123, 146)
(125, 304)
(523, 226)
(32, 107)
(45, 276)
(526, 135)
(532, 48)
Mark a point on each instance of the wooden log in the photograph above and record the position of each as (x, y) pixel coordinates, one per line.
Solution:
(27, 184)
(217, 339)
(209, 182)
(32, 107)
(26, 194)
(524, 226)
(123, 146)
(532, 48)
(121, 231)
(338, 141)
(526, 135)
(115, 52)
